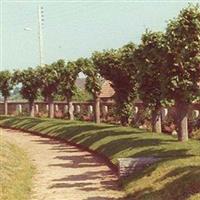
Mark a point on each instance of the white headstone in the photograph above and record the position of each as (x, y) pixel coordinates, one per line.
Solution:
(66, 108)
(78, 109)
(174, 132)
(56, 108)
(164, 112)
(105, 109)
(90, 108)
(136, 109)
(19, 108)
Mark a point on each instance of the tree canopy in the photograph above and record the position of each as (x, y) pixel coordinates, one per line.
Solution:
(117, 65)
(50, 78)
(30, 83)
(183, 64)
(149, 58)
(6, 84)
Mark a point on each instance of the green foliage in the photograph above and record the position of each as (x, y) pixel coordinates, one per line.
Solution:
(118, 67)
(50, 78)
(82, 95)
(150, 56)
(77, 95)
(67, 88)
(15, 94)
(67, 83)
(182, 67)
(6, 84)
(30, 83)
(93, 81)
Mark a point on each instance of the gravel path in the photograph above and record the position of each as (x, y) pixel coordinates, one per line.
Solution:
(64, 172)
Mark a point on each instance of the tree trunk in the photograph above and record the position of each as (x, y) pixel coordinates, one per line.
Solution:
(32, 108)
(5, 106)
(124, 120)
(70, 110)
(156, 120)
(182, 120)
(51, 108)
(97, 109)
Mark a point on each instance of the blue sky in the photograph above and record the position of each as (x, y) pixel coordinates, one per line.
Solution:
(75, 29)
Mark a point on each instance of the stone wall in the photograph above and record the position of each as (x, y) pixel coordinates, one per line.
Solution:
(41, 108)
(83, 110)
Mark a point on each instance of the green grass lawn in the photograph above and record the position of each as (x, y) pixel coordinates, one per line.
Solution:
(15, 172)
(175, 177)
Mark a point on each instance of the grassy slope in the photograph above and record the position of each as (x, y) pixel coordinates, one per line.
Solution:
(175, 177)
(15, 173)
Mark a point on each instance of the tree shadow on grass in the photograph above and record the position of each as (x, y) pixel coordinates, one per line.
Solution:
(185, 184)
(20, 122)
(50, 126)
(116, 146)
(63, 129)
(163, 155)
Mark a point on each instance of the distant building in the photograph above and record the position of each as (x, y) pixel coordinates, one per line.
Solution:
(107, 91)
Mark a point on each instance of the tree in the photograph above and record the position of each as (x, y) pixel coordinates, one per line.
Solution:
(118, 66)
(6, 86)
(93, 82)
(15, 95)
(183, 64)
(82, 95)
(93, 85)
(30, 83)
(149, 57)
(67, 86)
(49, 81)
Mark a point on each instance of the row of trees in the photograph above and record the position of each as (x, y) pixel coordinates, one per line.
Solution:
(163, 70)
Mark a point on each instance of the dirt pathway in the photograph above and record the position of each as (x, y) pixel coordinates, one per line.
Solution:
(64, 172)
